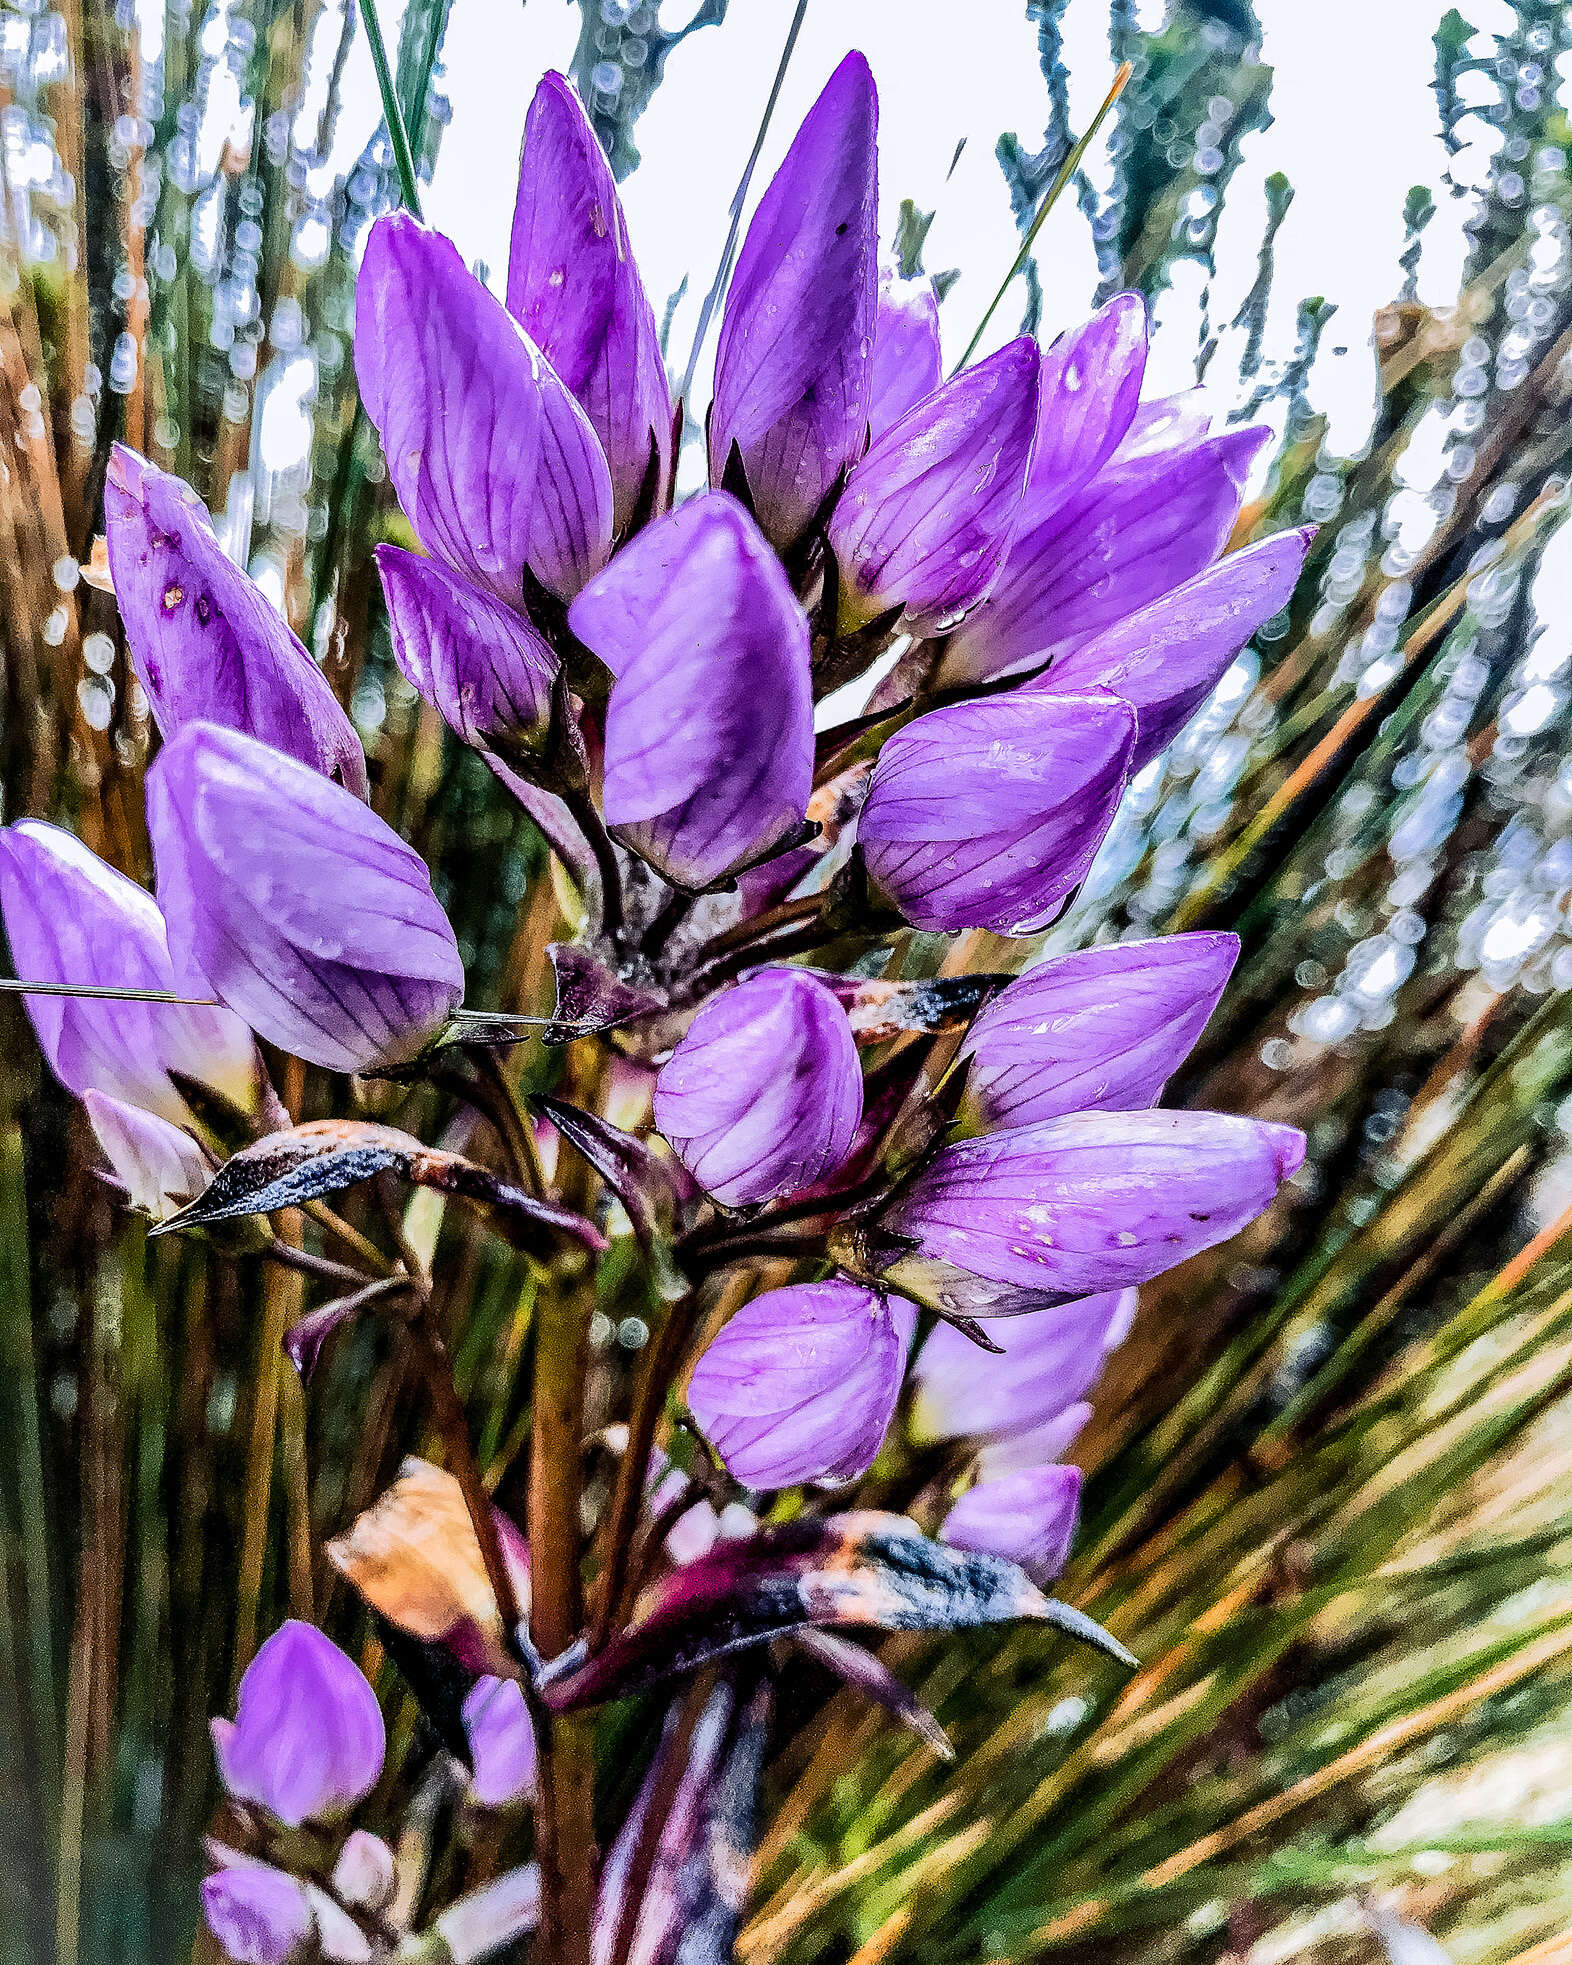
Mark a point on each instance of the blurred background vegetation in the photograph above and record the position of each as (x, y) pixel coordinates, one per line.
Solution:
(1330, 1495)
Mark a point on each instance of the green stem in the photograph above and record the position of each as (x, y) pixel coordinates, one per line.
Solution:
(403, 155)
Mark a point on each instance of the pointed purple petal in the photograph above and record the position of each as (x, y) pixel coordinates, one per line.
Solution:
(160, 1167)
(801, 1385)
(1138, 529)
(503, 1753)
(1168, 656)
(986, 814)
(1095, 1201)
(764, 1094)
(927, 516)
(71, 918)
(906, 365)
(301, 909)
(482, 665)
(573, 285)
(494, 462)
(1091, 386)
(1051, 1360)
(1102, 1029)
(709, 731)
(792, 367)
(205, 642)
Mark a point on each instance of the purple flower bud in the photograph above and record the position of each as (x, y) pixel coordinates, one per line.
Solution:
(926, 517)
(258, 1914)
(1028, 1518)
(306, 1742)
(792, 368)
(205, 642)
(1051, 1360)
(160, 1167)
(906, 364)
(482, 665)
(365, 1873)
(764, 1093)
(987, 814)
(1103, 1029)
(494, 462)
(70, 918)
(1139, 528)
(1091, 385)
(709, 730)
(1094, 1201)
(573, 285)
(1167, 657)
(301, 909)
(801, 1385)
(501, 1737)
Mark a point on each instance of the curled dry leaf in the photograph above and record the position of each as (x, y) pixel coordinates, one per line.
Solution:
(658, 1192)
(878, 1011)
(867, 1672)
(413, 1556)
(288, 1168)
(591, 996)
(865, 1569)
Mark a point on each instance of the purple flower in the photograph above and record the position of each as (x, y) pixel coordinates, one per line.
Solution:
(501, 1742)
(482, 665)
(258, 1914)
(926, 517)
(160, 1167)
(1102, 1029)
(1138, 529)
(709, 730)
(495, 464)
(905, 363)
(1051, 1360)
(764, 1093)
(1028, 1518)
(792, 369)
(1091, 386)
(573, 285)
(306, 1742)
(1167, 657)
(301, 909)
(71, 918)
(1094, 1201)
(986, 814)
(205, 642)
(1042, 1445)
(801, 1385)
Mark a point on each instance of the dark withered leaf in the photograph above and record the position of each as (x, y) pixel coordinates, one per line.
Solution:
(864, 1570)
(878, 1011)
(591, 997)
(302, 1164)
(658, 1192)
(869, 1674)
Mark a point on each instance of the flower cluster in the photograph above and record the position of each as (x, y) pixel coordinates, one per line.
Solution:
(1042, 557)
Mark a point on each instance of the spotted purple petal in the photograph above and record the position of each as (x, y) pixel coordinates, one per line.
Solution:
(1095, 1201)
(482, 664)
(927, 516)
(801, 1384)
(205, 642)
(792, 366)
(1168, 656)
(307, 1740)
(494, 462)
(764, 1093)
(1138, 529)
(906, 363)
(71, 918)
(1028, 1518)
(1102, 1029)
(709, 730)
(986, 814)
(573, 285)
(296, 905)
